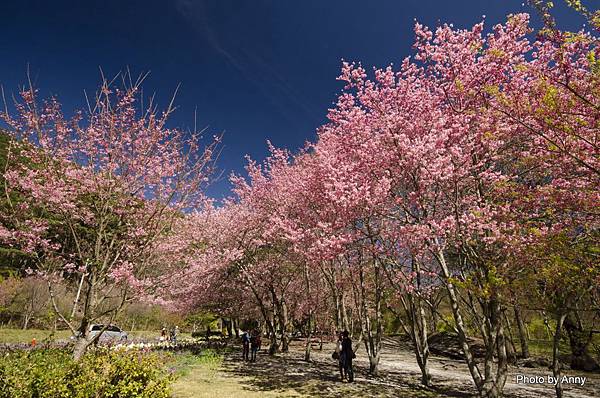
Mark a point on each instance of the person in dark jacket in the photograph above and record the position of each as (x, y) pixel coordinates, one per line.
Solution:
(346, 356)
(245, 346)
(338, 354)
(255, 344)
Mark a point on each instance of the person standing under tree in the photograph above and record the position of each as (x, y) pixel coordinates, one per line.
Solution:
(346, 356)
(245, 346)
(337, 354)
(255, 344)
(173, 334)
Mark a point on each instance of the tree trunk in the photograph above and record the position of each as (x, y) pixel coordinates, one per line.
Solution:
(284, 323)
(579, 341)
(460, 326)
(308, 345)
(236, 328)
(372, 340)
(228, 324)
(522, 332)
(338, 312)
(345, 324)
(26, 318)
(547, 324)
(419, 329)
(269, 325)
(434, 319)
(81, 346)
(82, 341)
(556, 370)
(419, 336)
(274, 343)
(493, 384)
(512, 353)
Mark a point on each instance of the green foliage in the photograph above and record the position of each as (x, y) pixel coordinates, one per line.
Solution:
(203, 320)
(447, 324)
(99, 374)
(391, 323)
(538, 330)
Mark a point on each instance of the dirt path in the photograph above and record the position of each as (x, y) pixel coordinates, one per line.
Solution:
(287, 375)
(453, 375)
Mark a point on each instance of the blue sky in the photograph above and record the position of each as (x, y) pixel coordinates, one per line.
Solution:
(255, 70)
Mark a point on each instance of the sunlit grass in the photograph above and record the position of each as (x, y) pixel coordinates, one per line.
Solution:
(26, 336)
(202, 376)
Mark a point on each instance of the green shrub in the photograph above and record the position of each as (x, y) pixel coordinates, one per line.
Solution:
(446, 324)
(538, 329)
(99, 374)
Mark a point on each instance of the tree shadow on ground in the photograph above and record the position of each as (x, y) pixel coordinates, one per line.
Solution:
(288, 374)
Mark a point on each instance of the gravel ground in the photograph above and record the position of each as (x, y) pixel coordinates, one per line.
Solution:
(399, 376)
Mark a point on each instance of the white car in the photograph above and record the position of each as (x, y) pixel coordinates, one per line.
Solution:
(111, 333)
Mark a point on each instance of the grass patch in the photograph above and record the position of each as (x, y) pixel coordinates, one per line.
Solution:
(208, 360)
(543, 348)
(203, 376)
(25, 336)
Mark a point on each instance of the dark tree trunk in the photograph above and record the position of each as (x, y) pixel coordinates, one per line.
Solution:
(236, 327)
(522, 332)
(579, 340)
(228, 326)
(308, 344)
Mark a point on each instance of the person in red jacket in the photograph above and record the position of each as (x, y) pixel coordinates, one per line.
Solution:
(255, 344)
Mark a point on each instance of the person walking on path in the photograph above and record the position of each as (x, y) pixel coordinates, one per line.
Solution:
(346, 357)
(255, 344)
(337, 354)
(245, 346)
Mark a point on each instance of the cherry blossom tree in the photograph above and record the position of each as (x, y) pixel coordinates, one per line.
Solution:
(469, 181)
(97, 193)
(452, 164)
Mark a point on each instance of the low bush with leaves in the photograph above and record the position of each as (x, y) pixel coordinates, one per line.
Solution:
(99, 374)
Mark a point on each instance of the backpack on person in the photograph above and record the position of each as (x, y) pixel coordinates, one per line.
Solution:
(245, 338)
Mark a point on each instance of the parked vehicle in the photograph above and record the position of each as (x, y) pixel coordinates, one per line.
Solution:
(111, 333)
